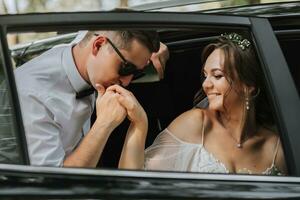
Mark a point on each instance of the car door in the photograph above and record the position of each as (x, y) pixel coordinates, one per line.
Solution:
(13, 148)
(19, 180)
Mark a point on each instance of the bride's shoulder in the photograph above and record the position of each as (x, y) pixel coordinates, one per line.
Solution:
(190, 116)
(188, 123)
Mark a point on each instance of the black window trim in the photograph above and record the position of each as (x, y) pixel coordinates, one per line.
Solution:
(93, 20)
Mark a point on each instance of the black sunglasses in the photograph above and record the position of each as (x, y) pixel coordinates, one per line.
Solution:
(127, 68)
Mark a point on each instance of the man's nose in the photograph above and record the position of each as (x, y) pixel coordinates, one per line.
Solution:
(125, 80)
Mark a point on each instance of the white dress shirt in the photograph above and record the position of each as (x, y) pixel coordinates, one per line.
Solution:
(54, 120)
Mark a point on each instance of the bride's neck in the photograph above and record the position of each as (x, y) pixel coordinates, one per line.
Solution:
(238, 123)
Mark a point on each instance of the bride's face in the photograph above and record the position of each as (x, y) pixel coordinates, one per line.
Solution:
(217, 87)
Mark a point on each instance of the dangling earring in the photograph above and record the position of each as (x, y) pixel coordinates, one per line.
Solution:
(247, 103)
(247, 99)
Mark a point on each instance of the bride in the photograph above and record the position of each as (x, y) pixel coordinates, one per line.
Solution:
(233, 134)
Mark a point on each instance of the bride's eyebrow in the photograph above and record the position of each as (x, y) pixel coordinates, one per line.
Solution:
(213, 70)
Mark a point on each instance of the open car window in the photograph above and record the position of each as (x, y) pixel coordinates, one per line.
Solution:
(164, 100)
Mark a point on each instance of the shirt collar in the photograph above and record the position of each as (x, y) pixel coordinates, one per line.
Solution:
(76, 80)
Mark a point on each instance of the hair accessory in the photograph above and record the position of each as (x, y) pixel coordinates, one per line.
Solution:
(237, 39)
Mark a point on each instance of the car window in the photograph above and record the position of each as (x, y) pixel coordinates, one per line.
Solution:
(9, 148)
(159, 101)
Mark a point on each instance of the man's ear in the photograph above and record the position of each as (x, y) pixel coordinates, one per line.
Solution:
(98, 42)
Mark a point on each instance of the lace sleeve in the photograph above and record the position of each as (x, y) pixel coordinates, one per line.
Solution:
(163, 153)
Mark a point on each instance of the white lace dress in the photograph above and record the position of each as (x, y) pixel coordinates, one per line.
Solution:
(172, 154)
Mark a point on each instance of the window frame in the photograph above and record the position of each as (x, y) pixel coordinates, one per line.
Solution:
(264, 38)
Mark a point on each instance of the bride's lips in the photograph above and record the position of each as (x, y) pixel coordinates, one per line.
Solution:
(213, 94)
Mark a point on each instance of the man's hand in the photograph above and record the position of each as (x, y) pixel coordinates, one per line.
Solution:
(159, 59)
(135, 111)
(109, 111)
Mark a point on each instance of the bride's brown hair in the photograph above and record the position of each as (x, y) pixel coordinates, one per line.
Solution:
(241, 65)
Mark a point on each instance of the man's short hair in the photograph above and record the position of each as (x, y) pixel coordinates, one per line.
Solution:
(123, 38)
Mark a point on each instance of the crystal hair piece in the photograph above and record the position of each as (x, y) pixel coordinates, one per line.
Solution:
(237, 39)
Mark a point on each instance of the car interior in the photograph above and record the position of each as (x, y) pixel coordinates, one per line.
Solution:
(289, 45)
(163, 100)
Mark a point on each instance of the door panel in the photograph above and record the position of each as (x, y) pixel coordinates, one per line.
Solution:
(13, 148)
(282, 89)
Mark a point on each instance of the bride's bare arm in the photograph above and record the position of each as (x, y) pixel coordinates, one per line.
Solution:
(132, 156)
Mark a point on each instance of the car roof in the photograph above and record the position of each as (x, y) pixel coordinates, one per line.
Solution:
(283, 8)
(262, 10)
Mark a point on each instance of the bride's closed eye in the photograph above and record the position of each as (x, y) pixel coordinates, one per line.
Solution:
(218, 76)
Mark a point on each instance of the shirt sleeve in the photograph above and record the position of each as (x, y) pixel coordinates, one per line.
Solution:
(42, 131)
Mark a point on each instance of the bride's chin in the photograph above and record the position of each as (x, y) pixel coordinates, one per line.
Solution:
(215, 107)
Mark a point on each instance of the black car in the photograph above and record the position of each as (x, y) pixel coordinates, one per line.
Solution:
(276, 37)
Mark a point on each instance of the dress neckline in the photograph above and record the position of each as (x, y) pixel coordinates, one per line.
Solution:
(267, 171)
